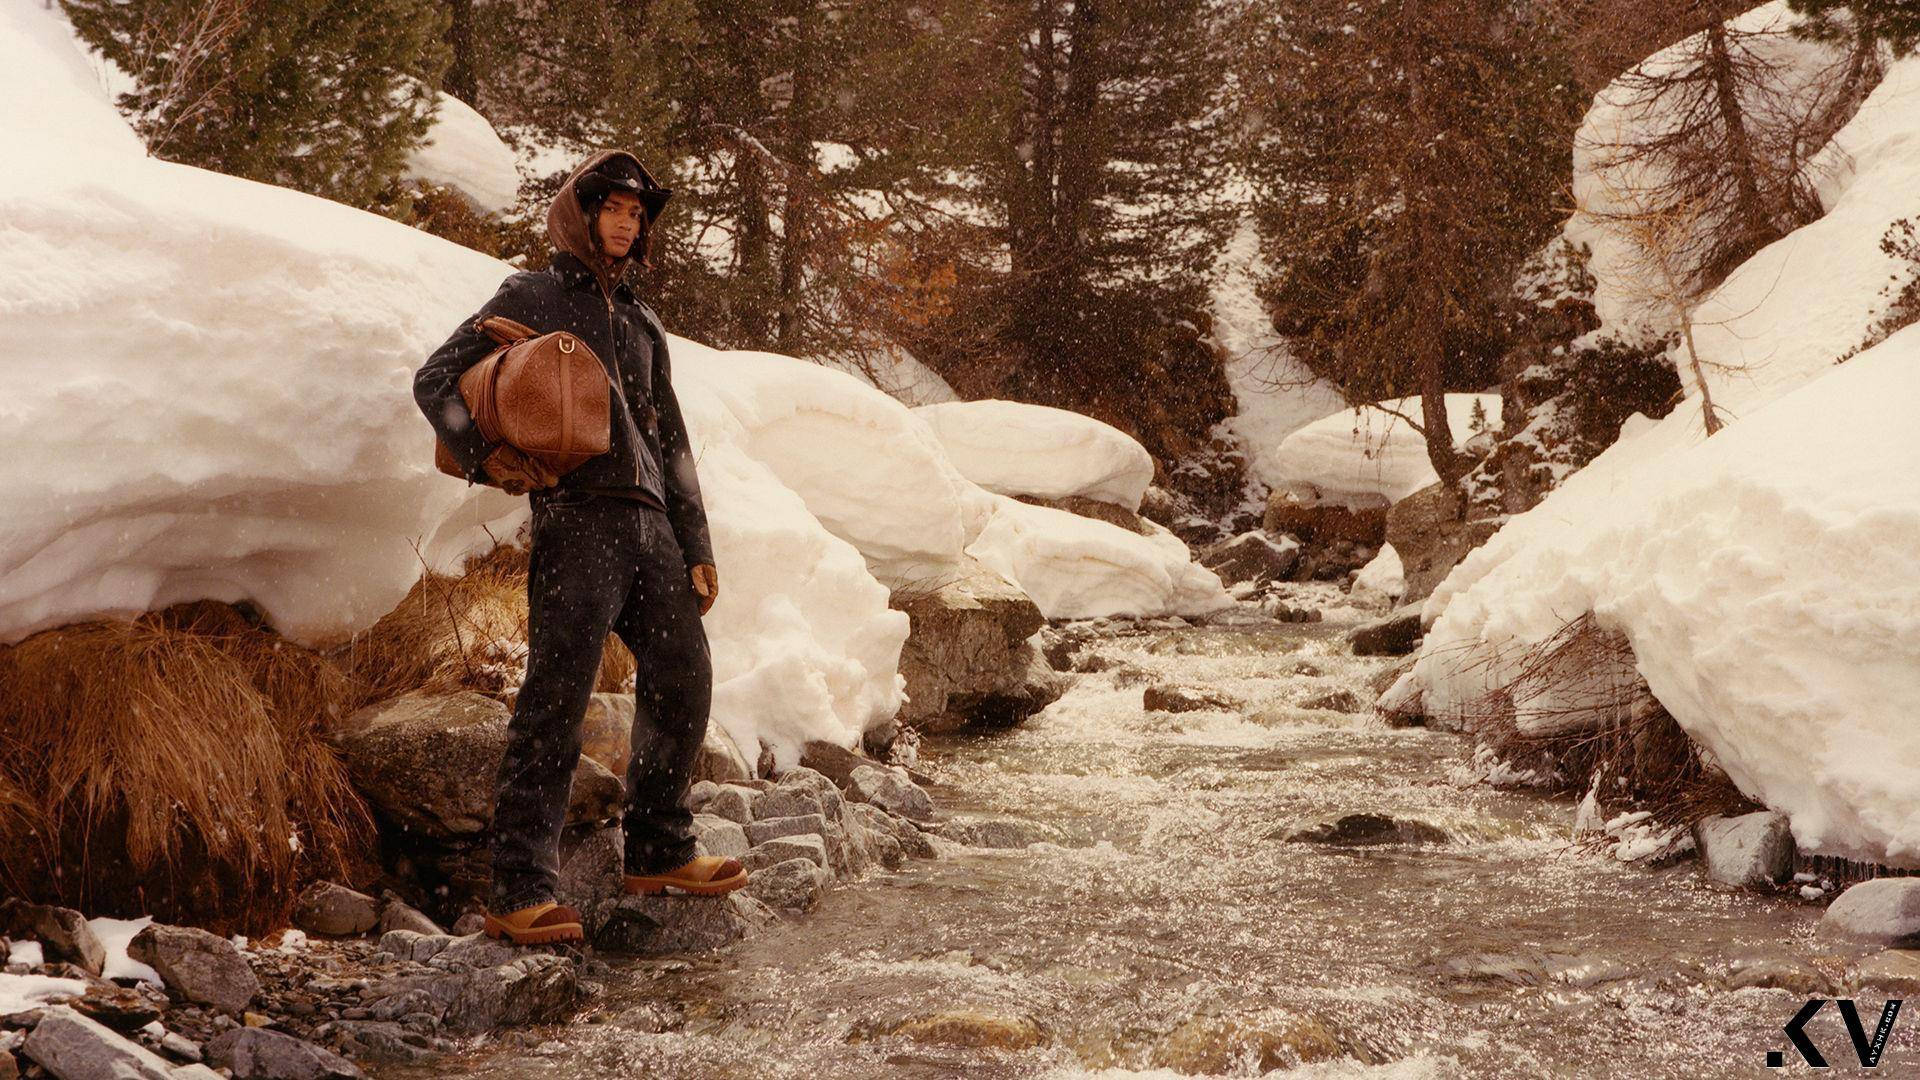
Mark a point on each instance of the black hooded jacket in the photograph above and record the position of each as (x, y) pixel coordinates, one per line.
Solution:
(650, 456)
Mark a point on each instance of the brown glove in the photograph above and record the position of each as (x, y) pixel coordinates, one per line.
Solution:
(517, 473)
(706, 583)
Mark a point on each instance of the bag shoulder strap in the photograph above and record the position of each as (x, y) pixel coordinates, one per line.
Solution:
(503, 330)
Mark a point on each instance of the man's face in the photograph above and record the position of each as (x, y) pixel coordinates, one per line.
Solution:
(619, 222)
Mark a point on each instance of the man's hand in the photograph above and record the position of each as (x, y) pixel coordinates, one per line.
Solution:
(706, 582)
(517, 473)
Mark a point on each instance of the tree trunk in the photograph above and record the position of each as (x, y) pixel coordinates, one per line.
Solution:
(462, 78)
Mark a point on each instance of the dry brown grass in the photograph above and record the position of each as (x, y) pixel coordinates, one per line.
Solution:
(1578, 716)
(461, 633)
(167, 766)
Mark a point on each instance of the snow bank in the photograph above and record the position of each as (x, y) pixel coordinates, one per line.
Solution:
(1017, 449)
(1620, 266)
(1357, 457)
(871, 471)
(1275, 394)
(180, 451)
(1078, 568)
(1764, 576)
(18, 993)
(1383, 579)
(218, 378)
(114, 935)
(900, 375)
(463, 152)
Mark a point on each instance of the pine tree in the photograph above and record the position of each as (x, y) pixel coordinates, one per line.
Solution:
(1408, 159)
(1896, 22)
(326, 96)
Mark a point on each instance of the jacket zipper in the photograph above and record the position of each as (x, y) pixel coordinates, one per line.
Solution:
(613, 334)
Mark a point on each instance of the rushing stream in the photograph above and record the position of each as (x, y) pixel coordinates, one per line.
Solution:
(1165, 929)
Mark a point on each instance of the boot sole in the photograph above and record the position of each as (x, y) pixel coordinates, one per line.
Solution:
(543, 935)
(654, 886)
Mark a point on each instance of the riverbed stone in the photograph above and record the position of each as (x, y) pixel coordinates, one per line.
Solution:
(398, 915)
(914, 843)
(1885, 911)
(1342, 700)
(831, 760)
(1394, 634)
(260, 1054)
(890, 789)
(729, 801)
(1747, 851)
(967, 659)
(973, 1029)
(1364, 830)
(1774, 973)
(201, 967)
(781, 848)
(658, 925)
(998, 832)
(765, 829)
(335, 910)
(719, 836)
(1252, 557)
(1890, 971)
(1214, 1045)
(591, 861)
(1175, 698)
(63, 933)
(428, 762)
(72, 1047)
(790, 885)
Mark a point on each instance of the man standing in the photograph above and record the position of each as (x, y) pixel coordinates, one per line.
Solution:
(619, 545)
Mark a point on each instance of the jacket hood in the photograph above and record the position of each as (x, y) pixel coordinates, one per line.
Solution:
(570, 231)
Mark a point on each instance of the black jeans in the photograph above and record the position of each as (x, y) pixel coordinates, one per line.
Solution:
(600, 565)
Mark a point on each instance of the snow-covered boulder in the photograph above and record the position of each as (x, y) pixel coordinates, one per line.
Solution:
(1014, 448)
(463, 152)
(1761, 576)
(1370, 456)
(1077, 568)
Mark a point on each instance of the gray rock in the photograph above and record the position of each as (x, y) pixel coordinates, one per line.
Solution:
(1343, 701)
(658, 925)
(1300, 510)
(473, 952)
(384, 1042)
(414, 946)
(913, 843)
(399, 916)
(335, 911)
(470, 923)
(1171, 698)
(1427, 532)
(785, 802)
(1364, 830)
(181, 1047)
(730, 801)
(72, 1047)
(1885, 911)
(891, 790)
(1891, 971)
(817, 784)
(832, 761)
(719, 836)
(966, 658)
(782, 848)
(196, 1071)
(63, 933)
(428, 762)
(1775, 974)
(591, 862)
(1746, 851)
(792, 885)
(469, 998)
(1395, 634)
(759, 832)
(260, 1054)
(998, 833)
(198, 966)
(1252, 556)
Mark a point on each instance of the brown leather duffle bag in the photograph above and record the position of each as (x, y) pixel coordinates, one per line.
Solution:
(545, 394)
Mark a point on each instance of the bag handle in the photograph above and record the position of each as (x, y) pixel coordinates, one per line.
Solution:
(504, 331)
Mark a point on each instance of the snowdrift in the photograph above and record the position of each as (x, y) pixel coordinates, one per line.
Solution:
(464, 153)
(1765, 577)
(1369, 456)
(214, 376)
(1017, 449)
